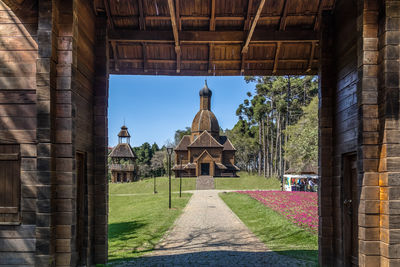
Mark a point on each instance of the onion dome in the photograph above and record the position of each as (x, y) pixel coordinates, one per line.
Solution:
(205, 120)
(205, 91)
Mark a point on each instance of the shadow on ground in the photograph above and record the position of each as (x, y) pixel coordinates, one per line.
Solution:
(123, 230)
(218, 258)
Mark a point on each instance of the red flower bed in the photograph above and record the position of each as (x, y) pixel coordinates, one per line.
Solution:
(300, 208)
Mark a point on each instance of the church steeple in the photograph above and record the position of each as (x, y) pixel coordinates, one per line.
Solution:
(205, 97)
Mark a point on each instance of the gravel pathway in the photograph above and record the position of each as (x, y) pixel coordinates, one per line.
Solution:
(208, 233)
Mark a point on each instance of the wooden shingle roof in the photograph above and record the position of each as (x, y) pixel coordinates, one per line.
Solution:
(205, 140)
(122, 150)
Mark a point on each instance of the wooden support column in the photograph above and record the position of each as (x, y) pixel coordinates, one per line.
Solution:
(45, 92)
(101, 141)
(368, 132)
(389, 117)
(325, 148)
(176, 35)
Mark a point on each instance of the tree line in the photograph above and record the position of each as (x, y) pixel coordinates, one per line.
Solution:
(281, 113)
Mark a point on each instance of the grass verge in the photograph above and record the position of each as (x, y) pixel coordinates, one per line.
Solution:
(277, 233)
(137, 223)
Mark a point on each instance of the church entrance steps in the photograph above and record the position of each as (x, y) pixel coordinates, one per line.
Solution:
(204, 183)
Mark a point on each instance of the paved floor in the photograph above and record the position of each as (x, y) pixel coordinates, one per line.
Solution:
(208, 233)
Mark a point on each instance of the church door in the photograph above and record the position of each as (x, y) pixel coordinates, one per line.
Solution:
(205, 169)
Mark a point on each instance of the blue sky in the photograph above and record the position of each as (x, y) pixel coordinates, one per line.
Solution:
(154, 107)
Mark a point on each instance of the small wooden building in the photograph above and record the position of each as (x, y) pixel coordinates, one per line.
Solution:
(205, 152)
(123, 160)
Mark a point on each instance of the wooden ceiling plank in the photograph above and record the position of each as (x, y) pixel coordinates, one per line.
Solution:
(277, 50)
(116, 62)
(253, 26)
(142, 20)
(310, 61)
(248, 18)
(205, 37)
(176, 34)
(108, 12)
(212, 18)
(217, 61)
(282, 23)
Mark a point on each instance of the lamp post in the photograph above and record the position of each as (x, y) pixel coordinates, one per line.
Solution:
(180, 177)
(169, 151)
(155, 190)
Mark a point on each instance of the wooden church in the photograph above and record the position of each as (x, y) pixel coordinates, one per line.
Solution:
(123, 160)
(205, 152)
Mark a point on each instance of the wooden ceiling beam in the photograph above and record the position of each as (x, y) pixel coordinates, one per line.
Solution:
(212, 18)
(227, 72)
(282, 23)
(253, 26)
(176, 34)
(210, 53)
(198, 37)
(108, 12)
(178, 14)
(142, 20)
(318, 16)
(312, 53)
(248, 17)
(213, 61)
(144, 52)
(277, 50)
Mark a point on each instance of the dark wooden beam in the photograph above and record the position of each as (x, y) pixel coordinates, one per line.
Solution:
(226, 72)
(116, 62)
(108, 12)
(212, 18)
(248, 16)
(277, 50)
(144, 52)
(209, 36)
(178, 14)
(312, 53)
(244, 55)
(282, 23)
(318, 16)
(142, 20)
(217, 61)
(176, 34)
(210, 53)
(253, 26)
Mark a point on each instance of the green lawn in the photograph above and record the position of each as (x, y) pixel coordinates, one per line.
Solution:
(138, 222)
(247, 181)
(147, 186)
(274, 230)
